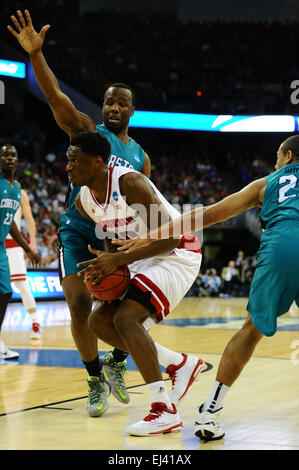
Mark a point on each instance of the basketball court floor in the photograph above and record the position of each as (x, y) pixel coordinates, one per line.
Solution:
(44, 392)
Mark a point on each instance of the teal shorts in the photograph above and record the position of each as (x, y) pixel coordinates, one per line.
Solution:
(275, 283)
(74, 236)
(5, 284)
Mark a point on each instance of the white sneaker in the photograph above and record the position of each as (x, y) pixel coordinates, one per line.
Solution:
(205, 426)
(183, 376)
(36, 331)
(160, 420)
(6, 353)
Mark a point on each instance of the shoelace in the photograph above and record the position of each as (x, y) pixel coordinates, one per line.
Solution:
(155, 412)
(35, 327)
(118, 369)
(95, 391)
(118, 365)
(171, 371)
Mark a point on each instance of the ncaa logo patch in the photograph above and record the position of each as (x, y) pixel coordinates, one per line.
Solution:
(115, 196)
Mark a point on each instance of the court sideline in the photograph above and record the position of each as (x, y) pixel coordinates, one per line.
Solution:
(43, 399)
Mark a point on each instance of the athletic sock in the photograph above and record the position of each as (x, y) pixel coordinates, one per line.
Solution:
(34, 317)
(158, 393)
(167, 357)
(216, 397)
(27, 297)
(119, 356)
(94, 368)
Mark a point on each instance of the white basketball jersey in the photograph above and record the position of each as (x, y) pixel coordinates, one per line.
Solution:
(116, 215)
(167, 277)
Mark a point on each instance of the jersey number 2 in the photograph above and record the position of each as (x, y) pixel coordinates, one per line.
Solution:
(291, 181)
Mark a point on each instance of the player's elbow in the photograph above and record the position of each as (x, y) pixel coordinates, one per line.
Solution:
(55, 98)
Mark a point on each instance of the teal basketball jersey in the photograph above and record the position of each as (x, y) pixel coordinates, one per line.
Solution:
(281, 197)
(10, 197)
(275, 283)
(129, 155)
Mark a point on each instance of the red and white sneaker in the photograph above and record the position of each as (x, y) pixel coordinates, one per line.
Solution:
(36, 331)
(160, 420)
(183, 376)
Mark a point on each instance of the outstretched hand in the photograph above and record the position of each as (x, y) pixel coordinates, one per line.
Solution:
(97, 268)
(132, 244)
(30, 40)
(34, 258)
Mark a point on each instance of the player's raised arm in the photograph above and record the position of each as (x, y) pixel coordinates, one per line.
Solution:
(66, 114)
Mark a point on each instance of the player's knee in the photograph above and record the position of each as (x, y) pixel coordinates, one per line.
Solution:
(93, 321)
(125, 322)
(80, 307)
(252, 332)
(122, 322)
(96, 321)
(99, 321)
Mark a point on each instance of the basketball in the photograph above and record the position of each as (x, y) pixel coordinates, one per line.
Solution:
(111, 287)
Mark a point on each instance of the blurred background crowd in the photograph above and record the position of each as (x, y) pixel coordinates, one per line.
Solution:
(174, 65)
